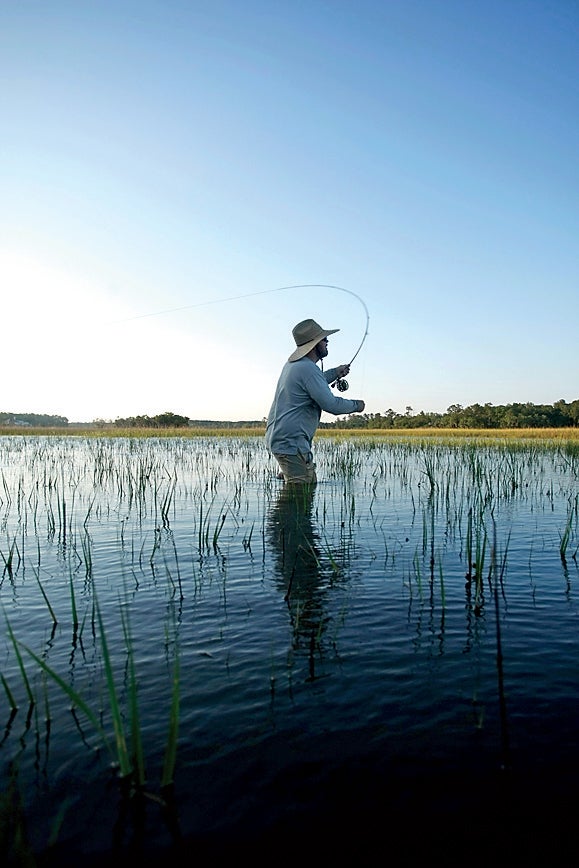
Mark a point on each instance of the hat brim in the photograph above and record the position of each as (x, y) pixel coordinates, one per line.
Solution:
(304, 349)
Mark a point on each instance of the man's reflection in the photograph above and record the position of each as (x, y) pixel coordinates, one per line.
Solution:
(298, 566)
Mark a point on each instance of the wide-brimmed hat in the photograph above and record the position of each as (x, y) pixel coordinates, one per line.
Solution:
(307, 334)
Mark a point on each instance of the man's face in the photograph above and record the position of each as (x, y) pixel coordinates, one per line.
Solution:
(322, 348)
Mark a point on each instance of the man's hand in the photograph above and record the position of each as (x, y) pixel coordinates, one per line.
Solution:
(342, 371)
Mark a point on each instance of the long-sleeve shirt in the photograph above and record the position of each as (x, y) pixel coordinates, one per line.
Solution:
(302, 393)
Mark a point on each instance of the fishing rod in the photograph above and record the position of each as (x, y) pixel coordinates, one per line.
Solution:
(341, 384)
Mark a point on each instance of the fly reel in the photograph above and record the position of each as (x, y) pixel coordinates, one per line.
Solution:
(342, 385)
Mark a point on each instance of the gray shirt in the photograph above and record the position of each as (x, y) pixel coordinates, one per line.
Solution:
(302, 393)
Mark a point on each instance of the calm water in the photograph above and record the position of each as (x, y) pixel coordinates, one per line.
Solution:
(402, 645)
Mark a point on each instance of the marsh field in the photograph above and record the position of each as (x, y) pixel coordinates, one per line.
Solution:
(197, 661)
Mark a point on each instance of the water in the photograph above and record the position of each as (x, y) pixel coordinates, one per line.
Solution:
(339, 672)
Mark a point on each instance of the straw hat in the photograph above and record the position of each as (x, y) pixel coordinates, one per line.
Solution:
(306, 335)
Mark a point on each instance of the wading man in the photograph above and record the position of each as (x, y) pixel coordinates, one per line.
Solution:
(302, 392)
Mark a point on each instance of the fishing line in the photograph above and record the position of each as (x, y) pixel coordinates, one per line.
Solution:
(341, 384)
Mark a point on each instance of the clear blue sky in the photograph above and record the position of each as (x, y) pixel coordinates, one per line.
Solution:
(165, 156)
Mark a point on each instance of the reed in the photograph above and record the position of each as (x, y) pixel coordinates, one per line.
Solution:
(138, 757)
(496, 576)
(246, 542)
(36, 572)
(170, 759)
(12, 704)
(10, 567)
(123, 756)
(429, 469)
(20, 661)
(565, 535)
(86, 551)
(167, 501)
(131, 763)
(217, 530)
(72, 694)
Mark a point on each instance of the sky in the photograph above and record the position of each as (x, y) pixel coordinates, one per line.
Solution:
(167, 168)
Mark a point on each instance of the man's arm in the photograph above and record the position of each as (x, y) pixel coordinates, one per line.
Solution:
(319, 390)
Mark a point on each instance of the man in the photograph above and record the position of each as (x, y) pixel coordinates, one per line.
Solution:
(302, 393)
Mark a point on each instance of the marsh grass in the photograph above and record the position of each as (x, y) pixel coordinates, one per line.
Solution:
(130, 761)
(11, 559)
(496, 582)
(122, 751)
(567, 436)
(20, 661)
(137, 769)
(170, 760)
(567, 534)
(36, 573)
(12, 704)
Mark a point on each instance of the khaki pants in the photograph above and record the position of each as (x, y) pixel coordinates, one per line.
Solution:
(297, 468)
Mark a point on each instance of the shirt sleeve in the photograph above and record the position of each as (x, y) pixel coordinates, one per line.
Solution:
(330, 375)
(320, 392)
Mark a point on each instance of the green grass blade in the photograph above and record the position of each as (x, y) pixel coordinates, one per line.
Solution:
(136, 737)
(171, 748)
(11, 700)
(43, 592)
(125, 765)
(75, 698)
(20, 662)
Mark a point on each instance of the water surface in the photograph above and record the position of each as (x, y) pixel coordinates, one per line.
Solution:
(398, 645)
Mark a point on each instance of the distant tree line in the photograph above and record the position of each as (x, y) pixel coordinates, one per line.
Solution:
(36, 420)
(162, 420)
(174, 420)
(558, 415)
(528, 415)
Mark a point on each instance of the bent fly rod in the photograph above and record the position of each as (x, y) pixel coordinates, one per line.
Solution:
(341, 384)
